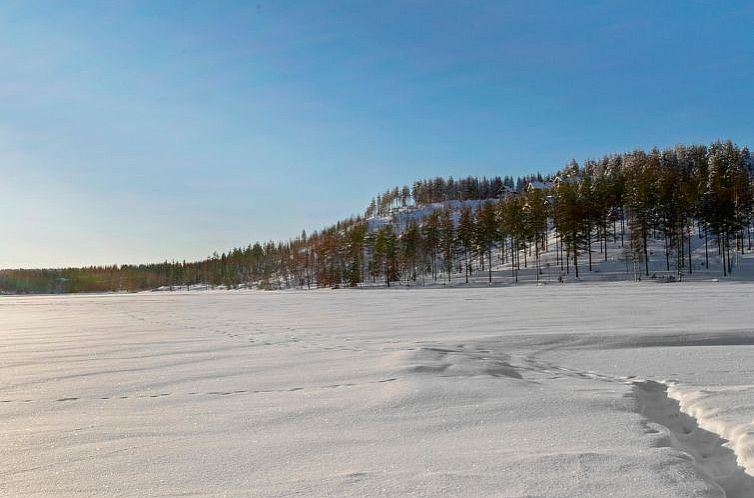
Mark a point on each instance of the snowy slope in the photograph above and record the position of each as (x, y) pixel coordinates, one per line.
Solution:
(401, 217)
(528, 391)
(614, 264)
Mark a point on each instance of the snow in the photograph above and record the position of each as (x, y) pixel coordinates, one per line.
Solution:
(401, 217)
(723, 410)
(590, 389)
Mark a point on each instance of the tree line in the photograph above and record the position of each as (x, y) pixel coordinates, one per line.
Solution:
(440, 228)
(438, 190)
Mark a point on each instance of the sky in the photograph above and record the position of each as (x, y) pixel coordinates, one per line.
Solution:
(165, 130)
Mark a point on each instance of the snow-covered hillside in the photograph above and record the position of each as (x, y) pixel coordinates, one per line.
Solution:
(417, 213)
(614, 262)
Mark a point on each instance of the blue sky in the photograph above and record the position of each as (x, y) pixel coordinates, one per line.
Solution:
(144, 131)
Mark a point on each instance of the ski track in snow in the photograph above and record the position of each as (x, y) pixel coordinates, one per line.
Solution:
(711, 454)
(139, 343)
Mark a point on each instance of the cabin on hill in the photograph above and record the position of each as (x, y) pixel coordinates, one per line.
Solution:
(538, 185)
(506, 191)
(566, 179)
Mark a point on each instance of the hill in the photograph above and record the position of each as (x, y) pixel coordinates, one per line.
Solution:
(673, 214)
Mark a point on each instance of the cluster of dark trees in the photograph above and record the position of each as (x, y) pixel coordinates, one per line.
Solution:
(236, 267)
(667, 195)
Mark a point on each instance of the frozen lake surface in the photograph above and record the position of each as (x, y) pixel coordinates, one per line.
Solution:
(575, 390)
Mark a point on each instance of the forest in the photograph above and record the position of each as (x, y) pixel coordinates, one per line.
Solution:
(441, 228)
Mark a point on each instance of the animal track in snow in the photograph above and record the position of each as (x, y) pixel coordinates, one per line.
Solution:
(207, 393)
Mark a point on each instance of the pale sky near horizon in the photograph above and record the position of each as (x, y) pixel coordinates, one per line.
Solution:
(139, 131)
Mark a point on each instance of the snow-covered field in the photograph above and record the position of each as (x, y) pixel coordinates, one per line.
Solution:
(558, 390)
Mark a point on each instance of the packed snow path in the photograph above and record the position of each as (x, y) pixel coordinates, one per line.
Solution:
(530, 391)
